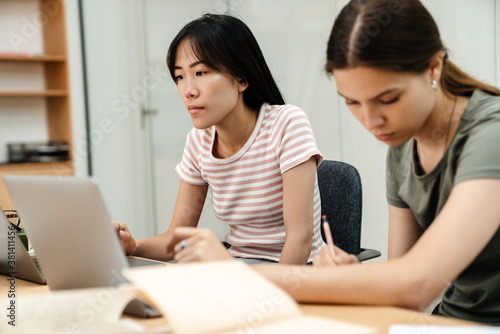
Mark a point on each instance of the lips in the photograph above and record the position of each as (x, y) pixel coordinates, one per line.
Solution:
(194, 109)
(384, 137)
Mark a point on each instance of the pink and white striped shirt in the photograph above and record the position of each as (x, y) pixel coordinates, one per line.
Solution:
(247, 188)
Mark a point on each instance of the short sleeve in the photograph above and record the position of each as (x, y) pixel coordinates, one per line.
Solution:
(189, 167)
(480, 156)
(392, 178)
(295, 139)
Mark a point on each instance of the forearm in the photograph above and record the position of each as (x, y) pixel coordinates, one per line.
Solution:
(154, 248)
(404, 231)
(383, 283)
(160, 247)
(296, 249)
(187, 211)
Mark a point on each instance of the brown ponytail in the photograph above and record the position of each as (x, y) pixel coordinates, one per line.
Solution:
(457, 82)
(395, 35)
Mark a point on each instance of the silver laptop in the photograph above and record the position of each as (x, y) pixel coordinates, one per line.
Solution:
(69, 228)
(15, 261)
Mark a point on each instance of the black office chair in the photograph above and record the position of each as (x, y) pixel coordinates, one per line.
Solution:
(341, 201)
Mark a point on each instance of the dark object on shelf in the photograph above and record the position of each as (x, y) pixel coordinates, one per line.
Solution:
(51, 151)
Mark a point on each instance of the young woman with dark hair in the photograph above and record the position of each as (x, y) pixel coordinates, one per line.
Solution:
(443, 169)
(257, 154)
(227, 45)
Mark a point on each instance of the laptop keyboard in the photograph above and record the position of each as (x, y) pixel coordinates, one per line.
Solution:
(35, 261)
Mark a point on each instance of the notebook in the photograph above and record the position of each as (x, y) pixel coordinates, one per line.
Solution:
(69, 228)
(15, 261)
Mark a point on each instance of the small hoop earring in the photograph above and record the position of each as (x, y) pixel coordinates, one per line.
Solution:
(434, 84)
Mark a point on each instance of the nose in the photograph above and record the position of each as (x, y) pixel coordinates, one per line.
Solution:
(372, 119)
(190, 89)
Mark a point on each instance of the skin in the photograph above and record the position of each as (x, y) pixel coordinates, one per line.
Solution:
(395, 107)
(215, 99)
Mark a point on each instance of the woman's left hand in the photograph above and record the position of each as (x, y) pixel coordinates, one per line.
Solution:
(324, 257)
(197, 244)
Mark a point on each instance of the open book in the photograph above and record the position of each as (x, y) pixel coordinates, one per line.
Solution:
(227, 297)
(70, 311)
(215, 297)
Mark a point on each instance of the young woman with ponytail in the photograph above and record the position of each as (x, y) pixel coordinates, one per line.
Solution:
(443, 169)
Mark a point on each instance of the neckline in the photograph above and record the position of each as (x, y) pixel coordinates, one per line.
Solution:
(416, 166)
(245, 147)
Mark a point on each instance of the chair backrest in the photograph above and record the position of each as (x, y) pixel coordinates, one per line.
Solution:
(341, 200)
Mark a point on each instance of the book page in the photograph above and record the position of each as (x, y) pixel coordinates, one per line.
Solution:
(213, 297)
(73, 311)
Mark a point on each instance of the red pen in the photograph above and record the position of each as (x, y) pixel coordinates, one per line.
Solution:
(328, 235)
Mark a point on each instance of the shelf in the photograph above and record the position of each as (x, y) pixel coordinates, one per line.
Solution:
(28, 58)
(47, 66)
(37, 167)
(45, 93)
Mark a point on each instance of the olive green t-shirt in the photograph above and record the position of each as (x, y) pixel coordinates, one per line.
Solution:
(474, 153)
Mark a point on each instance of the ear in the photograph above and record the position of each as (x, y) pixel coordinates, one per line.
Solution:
(436, 65)
(242, 85)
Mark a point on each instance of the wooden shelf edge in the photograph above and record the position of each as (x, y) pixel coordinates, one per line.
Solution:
(45, 93)
(36, 58)
(39, 168)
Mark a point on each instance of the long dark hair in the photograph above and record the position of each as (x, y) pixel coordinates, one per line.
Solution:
(396, 35)
(225, 44)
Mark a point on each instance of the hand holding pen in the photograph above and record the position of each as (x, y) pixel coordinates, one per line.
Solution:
(330, 255)
(328, 236)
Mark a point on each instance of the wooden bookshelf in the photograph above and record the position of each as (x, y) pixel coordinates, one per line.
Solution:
(34, 58)
(45, 93)
(56, 93)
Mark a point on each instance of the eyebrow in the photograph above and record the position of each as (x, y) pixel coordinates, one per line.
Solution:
(190, 65)
(392, 90)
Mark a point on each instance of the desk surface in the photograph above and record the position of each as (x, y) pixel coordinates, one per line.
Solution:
(380, 317)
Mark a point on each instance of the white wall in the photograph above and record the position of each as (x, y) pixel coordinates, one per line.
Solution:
(293, 35)
(120, 158)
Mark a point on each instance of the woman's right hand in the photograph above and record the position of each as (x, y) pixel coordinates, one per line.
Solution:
(128, 242)
(190, 244)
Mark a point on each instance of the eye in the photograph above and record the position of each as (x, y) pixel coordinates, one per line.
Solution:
(200, 73)
(178, 77)
(390, 101)
(350, 102)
